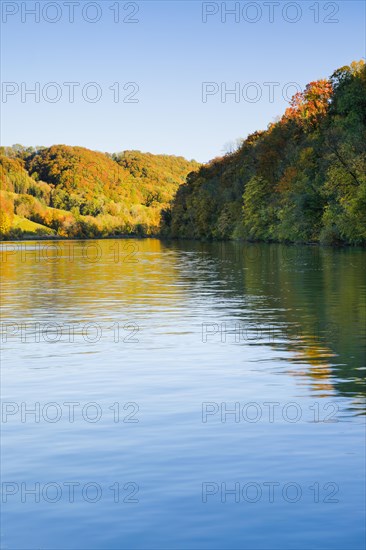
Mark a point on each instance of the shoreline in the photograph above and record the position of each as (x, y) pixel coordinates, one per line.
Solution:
(51, 238)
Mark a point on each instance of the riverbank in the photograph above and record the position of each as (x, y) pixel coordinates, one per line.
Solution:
(164, 238)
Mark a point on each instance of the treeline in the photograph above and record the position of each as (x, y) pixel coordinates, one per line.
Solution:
(74, 192)
(301, 180)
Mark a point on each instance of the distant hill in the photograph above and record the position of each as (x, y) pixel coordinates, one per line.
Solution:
(76, 192)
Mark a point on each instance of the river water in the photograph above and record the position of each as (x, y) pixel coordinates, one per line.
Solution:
(162, 395)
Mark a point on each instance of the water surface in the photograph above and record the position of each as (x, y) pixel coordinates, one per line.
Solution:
(195, 396)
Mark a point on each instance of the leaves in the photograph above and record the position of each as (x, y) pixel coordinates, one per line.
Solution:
(78, 192)
(302, 180)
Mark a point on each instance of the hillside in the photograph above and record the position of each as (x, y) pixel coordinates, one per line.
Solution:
(301, 180)
(75, 192)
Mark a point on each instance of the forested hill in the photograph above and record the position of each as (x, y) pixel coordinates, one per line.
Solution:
(74, 192)
(301, 180)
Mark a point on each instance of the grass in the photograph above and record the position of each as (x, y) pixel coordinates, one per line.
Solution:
(26, 226)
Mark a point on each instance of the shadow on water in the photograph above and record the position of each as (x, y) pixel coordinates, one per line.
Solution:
(310, 301)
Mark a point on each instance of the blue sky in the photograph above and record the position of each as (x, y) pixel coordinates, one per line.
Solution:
(168, 53)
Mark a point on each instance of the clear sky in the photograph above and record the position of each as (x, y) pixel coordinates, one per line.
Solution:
(168, 53)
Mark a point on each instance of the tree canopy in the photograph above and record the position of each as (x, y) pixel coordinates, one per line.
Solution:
(76, 192)
(301, 180)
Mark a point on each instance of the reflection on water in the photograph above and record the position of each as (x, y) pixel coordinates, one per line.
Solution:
(169, 326)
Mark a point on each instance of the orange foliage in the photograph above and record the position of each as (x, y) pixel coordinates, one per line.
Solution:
(310, 106)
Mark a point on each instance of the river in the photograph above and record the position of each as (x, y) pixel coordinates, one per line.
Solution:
(182, 395)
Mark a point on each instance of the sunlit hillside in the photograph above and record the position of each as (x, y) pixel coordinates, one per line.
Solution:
(74, 192)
